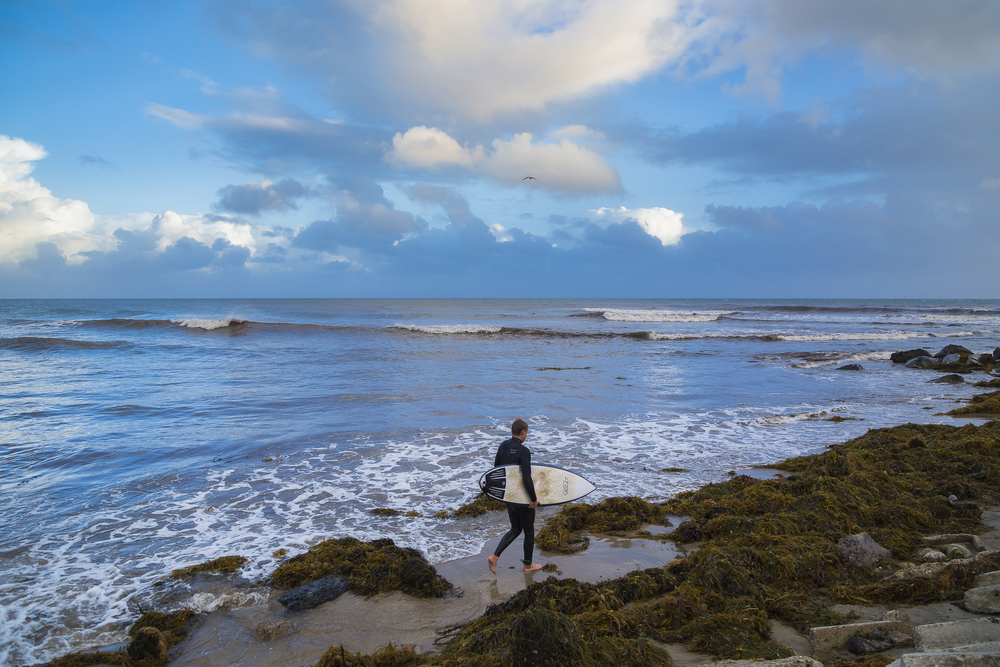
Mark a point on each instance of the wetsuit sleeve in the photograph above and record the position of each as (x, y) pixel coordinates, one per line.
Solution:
(525, 462)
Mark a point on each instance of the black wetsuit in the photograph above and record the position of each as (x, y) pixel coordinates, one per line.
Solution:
(522, 518)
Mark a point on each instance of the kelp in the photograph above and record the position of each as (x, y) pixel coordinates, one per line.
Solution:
(981, 404)
(223, 565)
(767, 550)
(151, 636)
(387, 656)
(480, 505)
(370, 568)
(608, 516)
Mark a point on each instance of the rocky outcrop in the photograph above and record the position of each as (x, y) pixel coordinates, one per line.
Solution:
(904, 356)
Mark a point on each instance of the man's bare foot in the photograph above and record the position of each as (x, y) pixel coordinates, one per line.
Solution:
(532, 568)
(492, 560)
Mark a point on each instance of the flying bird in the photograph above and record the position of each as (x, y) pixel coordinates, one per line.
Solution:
(529, 178)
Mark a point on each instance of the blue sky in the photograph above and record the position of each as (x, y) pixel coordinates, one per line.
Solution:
(379, 148)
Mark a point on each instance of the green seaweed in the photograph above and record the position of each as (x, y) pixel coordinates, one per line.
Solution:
(981, 404)
(223, 565)
(559, 534)
(370, 568)
(480, 505)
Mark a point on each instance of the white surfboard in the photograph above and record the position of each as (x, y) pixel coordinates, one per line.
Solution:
(553, 486)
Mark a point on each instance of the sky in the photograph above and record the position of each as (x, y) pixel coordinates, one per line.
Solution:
(500, 148)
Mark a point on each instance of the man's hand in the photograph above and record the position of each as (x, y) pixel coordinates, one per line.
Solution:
(533, 505)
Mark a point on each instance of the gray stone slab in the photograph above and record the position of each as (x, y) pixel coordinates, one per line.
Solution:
(983, 600)
(827, 640)
(987, 579)
(957, 633)
(949, 660)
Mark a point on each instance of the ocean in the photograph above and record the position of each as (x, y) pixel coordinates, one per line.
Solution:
(140, 436)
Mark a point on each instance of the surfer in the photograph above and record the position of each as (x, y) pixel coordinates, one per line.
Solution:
(513, 452)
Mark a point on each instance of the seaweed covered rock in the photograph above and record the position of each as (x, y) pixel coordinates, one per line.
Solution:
(982, 404)
(862, 550)
(609, 515)
(148, 644)
(223, 565)
(387, 656)
(172, 625)
(481, 505)
(368, 568)
(543, 637)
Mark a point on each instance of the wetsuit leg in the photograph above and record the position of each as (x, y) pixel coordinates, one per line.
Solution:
(515, 530)
(528, 525)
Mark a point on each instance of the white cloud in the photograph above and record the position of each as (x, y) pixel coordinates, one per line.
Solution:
(430, 147)
(30, 214)
(565, 168)
(484, 58)
(661, 223)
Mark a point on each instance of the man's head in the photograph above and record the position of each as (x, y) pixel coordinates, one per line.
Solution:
(519, 429)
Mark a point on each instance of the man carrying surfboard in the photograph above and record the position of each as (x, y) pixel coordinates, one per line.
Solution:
(522, 518)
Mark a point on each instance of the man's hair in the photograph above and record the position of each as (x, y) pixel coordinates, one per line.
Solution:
(518, 426)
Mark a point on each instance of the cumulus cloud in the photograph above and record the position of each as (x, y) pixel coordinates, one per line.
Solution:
(565, 168)
(660, 223)
(253, 198)
(30, 214)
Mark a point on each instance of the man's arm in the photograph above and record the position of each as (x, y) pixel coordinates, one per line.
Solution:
(525, 463)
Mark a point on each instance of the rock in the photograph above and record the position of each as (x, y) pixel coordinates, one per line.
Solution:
(987, 579)
(952, 349)
(958, 551)
(927, 553)
(875, 642)
(996, 353)
(851, 367)
(313, 594)
(862, 550)
(148, 644)
(903, 357)
(794, 661)
(983, 600)
(923, 362)
(267, 632)
(987, 359)
(949, 359)
(954, 378)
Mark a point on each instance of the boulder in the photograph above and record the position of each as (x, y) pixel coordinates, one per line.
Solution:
(987, 579)
(996, 353)
(902, 357)
(267, 632)
(987, 359)
(949, 359)
(923, 362)
(983, 600)
(952, 349)
(314, 593)
(851, 367)
(954, 378)
(862, 550)
(875, 641)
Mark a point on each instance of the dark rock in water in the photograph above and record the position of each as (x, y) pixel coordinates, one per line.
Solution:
(851, 367)
(859, 645)
(862, 550)
(952, 349)
(903, 357)
(987, 359)
(949, 359)
(148, 644)
(996, 353)
(954, 378)
(923, 362)
(314, 593)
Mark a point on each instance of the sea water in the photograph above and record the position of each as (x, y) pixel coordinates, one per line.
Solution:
(142, 436)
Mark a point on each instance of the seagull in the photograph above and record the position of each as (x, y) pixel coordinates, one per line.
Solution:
(529, 178)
